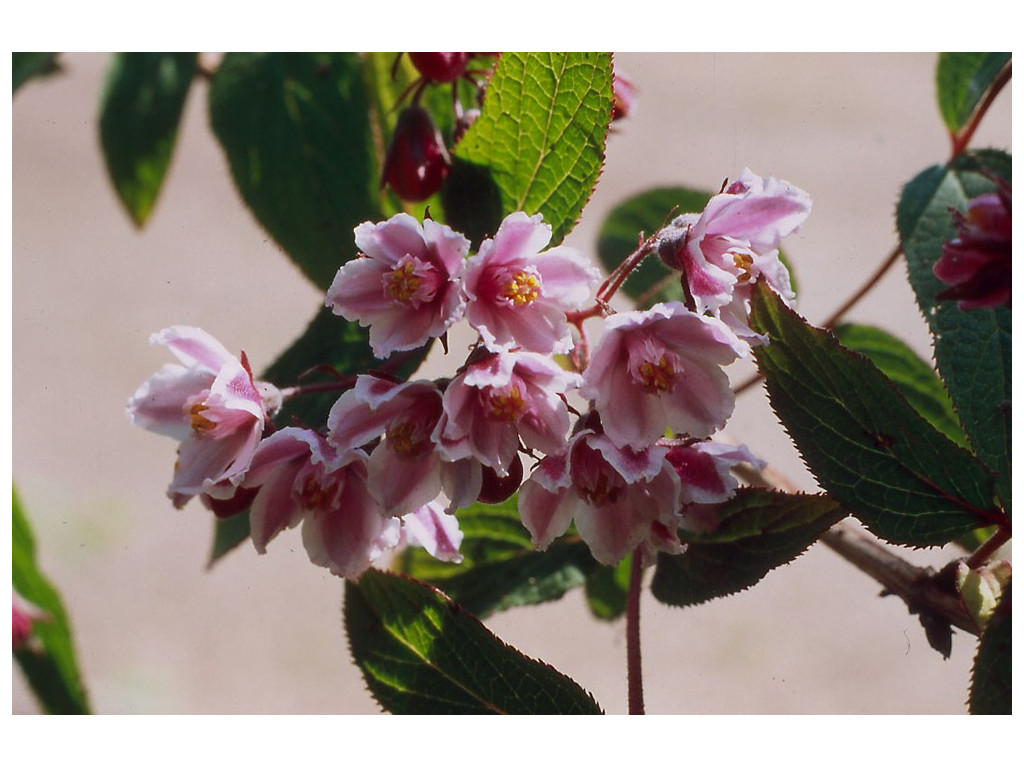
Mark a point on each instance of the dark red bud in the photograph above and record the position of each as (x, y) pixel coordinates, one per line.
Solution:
(417, 161)
(440, 67)
(494, 489)
(237, 504)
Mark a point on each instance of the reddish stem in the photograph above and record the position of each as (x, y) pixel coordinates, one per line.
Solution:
(963, 138)
(983, 554)
(634, 668)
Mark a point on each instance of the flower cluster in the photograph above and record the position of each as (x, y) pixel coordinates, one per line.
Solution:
(630, 468)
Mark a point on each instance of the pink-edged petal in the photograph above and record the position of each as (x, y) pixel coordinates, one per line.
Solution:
(546, 514)
(569, 277)
(611, 531)
(357, 291)
(193, 346)
(461, 482)
(449, 247)
(202, 460)
(633, 466)
(390, 240)
(159, 405)
(400, 485)
(275, 507)
(519, 235)
(347, 538)
(434, 530)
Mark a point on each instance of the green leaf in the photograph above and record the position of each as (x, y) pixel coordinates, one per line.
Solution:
(327, 341)
(500, 568)
(915, 378)
(27, 65)
(645, 214)
(962, 79)
(538, 145)
(296, 133)
(140, 110)
(864, 443)
(421, 653)
(972, 348)
(758, 531)
(49, 659)
(607, 589)
(992, 678)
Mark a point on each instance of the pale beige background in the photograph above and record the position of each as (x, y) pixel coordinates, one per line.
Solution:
(157, 633)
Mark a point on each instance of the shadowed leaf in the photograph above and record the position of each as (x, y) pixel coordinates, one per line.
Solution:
(421, 653)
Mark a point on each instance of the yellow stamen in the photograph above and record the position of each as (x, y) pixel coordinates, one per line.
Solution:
(522, 289)
(507, 407)
(314, 495)
(402, 440)
(743, 262)
(199, 422)
(657, 376)
(403, 283)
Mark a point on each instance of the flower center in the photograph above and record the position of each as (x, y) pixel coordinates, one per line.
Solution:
(507, 407)
(658, 375)
(653, 366)
(743, 262)
(314, 495)
(523, 288)
(406, 439)
(412, 282)
(200, 423)
(403, 283)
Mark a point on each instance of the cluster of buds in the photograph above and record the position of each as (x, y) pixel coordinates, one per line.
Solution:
(630, 467)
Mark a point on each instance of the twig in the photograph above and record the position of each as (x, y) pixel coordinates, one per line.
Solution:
(916, 586)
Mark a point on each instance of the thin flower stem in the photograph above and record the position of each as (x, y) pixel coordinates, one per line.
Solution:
(634, 668)
(984, 553)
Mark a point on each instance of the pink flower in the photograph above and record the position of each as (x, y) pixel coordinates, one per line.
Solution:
(620, 499)
(976, 264)
(501, 399)
(733, 243)
(519, 294)
(405, 469)
(300, 477)
(406, 287)
(661, 369)
(705, 474)
(212, 405)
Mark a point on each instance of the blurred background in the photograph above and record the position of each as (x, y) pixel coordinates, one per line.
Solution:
(157, 632)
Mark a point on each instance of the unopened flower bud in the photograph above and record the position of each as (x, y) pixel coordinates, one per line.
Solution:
(440, 67)
(417, 161)
(494, 489)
